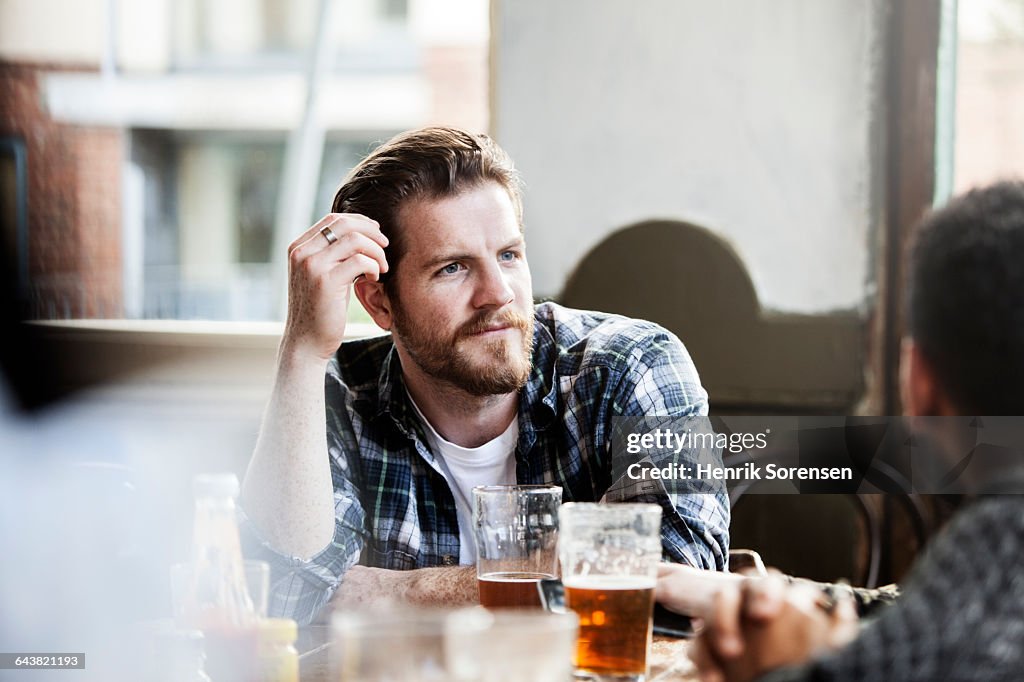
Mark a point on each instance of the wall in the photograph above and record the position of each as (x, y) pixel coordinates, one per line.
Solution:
(52, 30)
(756, 120)
(74, 202)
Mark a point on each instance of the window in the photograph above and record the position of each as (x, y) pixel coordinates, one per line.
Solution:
(989, 137)
(158, 180)
(248, 34)
(208, 228)
(13, 210)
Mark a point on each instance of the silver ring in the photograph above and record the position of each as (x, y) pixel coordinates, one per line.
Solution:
(329, 235)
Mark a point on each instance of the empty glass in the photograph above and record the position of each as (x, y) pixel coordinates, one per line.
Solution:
(516, 529)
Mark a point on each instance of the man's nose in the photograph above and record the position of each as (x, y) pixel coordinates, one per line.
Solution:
(493, 288)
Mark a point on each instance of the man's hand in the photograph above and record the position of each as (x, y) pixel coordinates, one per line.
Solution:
(320, 276)
(443, 586)
(689, 590)
(762, 624)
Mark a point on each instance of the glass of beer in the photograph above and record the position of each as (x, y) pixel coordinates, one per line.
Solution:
(389, 644)
(510, 645)
(516, 528)
(610, 555)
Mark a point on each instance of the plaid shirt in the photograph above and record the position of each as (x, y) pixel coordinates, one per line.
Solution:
(395, 510)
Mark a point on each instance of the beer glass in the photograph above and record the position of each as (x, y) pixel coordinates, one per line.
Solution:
(510, 645)
(516, 528)
(389, 645)
(610, 555)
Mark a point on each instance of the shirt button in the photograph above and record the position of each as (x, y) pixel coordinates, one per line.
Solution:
(448, 560)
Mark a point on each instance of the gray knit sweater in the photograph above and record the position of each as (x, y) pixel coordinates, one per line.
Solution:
(961, 615)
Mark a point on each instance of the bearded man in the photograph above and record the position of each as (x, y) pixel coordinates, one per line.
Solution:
(474, 385)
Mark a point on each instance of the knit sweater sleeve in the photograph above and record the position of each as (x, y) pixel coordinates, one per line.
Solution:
(961, 616)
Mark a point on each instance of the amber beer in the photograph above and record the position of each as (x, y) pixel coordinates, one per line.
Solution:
(511, 590)
(516, 533)
(615, 622)
(609, 558)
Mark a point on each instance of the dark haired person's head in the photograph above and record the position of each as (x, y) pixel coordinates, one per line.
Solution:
(428, 163)
(965, 306)
(458, 295)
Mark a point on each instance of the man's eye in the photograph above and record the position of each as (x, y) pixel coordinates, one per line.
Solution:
(509, 255)
(451, 269)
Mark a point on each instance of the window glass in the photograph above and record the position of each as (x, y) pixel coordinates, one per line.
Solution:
(209, 228)
(989, 138)
(157, 167)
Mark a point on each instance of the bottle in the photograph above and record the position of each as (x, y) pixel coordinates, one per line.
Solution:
(219, 595)
(219, 603)
(278, 658)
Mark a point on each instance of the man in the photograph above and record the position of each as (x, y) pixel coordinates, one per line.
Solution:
(475, 385)
(961, 616)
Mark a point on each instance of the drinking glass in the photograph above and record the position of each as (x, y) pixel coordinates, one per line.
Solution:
(610, 555)
(390, 645)
(510, 645)
(230, 635)
(183, 591)
(516, 531)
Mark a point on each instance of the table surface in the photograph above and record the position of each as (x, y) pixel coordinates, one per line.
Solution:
(668, 657)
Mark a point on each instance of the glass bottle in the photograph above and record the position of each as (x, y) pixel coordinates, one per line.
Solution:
(219, 596)
(219, 601)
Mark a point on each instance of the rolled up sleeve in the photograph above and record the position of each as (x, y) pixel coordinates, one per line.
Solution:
(301, 588)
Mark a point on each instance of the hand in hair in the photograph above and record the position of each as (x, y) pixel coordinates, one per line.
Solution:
(320, 276)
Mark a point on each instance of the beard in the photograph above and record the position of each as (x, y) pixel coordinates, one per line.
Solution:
(504, 367)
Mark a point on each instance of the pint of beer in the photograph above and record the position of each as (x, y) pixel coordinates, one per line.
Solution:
(610, 556)
(516, 530)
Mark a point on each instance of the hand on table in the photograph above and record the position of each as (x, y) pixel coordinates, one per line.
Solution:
(760, 624)
(320, 276)
(689, 590)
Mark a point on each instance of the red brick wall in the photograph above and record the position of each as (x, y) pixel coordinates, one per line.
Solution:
(74, 201)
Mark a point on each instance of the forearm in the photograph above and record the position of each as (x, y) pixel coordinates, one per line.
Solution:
(287, 490)
(867, 600)
(442, 586)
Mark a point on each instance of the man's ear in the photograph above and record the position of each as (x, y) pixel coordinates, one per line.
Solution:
(920, 391)
(375, 301)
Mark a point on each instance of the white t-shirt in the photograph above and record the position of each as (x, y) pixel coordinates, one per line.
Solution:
(493, 463)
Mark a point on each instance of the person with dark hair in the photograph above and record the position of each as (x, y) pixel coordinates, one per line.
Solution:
(474, 385)
(965, 303)
(961, 613)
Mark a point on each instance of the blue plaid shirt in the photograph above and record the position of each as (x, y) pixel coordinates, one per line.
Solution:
(393, 509)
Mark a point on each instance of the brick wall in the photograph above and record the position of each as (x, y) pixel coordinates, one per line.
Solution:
(74, 201)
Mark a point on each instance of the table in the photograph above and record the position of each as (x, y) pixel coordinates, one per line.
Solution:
(668, 657)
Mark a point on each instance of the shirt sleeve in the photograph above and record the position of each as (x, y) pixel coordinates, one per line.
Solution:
(662, 382)
(301, 588)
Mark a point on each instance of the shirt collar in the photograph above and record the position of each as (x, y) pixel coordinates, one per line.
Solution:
(391, 394)
(538, 401)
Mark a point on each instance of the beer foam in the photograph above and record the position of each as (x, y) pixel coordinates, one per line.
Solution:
(610, 582)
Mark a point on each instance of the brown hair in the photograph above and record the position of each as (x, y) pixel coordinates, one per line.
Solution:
(431, 163)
